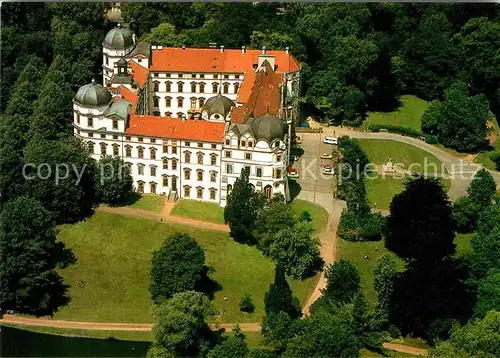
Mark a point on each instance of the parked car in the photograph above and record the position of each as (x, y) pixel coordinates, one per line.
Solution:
(328, 170)
(292, 173)
(298, 140)
(331, 140)
(304, 124)
(326, 156)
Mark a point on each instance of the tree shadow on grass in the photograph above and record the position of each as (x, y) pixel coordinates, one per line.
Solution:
(129, 200)
(297, 151)
(206, 284)
(294, 188)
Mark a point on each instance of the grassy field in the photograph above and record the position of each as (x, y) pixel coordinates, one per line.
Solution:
(319, 215)
(199, 210)
(381, 190)
(109, 282)
(153, 203)
(355, 252)
(409, 114)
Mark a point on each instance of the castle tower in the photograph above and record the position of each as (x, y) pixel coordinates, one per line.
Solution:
(118, 43)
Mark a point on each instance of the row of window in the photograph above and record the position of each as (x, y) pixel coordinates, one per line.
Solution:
(187, 172)
(242, 143)
(195, 102)
(90, 121)
(187, 189)
(193, 75)
(196, 87)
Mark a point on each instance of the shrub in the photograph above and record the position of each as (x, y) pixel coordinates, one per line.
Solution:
(354, 227)
(246, 304)
(495, 157)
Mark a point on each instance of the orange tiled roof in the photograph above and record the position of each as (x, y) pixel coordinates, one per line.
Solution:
(139, 73)
(129, 95)
(175, 128)
(264, 97)
(213, 60)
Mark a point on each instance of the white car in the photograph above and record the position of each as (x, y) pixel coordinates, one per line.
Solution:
(328, 170)
(293, 174)
(295, 158)
(331, 140)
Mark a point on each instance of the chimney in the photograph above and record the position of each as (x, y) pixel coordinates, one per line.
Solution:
(243, 49)
(221, 48)
(263, 50)
(287, 50)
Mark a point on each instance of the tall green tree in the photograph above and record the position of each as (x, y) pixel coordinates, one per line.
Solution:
(30, 256)
(488, 294)
(60, 176)
(477, 338)
(243, 205)
(180, 326)
(113, 180)
(177, 266)
(297, 251)
(384, 274)
(232, 347)
(279, 297)
(420, 225)
(342, 282)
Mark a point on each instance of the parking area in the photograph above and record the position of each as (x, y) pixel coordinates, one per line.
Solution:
(314, 184)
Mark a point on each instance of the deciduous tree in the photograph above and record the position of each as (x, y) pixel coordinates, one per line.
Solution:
(177, 266)
(342, 282)
(112, 180)
(385, 272)
(29, 257)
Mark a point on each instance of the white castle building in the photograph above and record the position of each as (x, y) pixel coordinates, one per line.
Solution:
(189, 120)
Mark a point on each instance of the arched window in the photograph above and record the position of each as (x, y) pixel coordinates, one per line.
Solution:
(140, 186)
(165, 163)
(268, 190)
(140, 169)
(202, 87)
(103, 148)
(226, 87)
(187, 191)
(193, 102)
(156, 101)
(213, 159)
(152, 170)
(180, 86)
(91, 147)
(165, 180)
(156, 86)
(213, 176)
(213, 193)
(180, 102)
(215, 87)
(128, 151)
(187, 157)
(202, 102)
(152, 153)
(168, 102)
(174, 164)
(199, 193)
(193, 87)
(169, 86)
(180, 115)
(115, 149)
(199, 175)
(168, 114)
(187, 174)
(229, 189)
(200, 158)
(236, 87)
(140, 152)
(152, 187)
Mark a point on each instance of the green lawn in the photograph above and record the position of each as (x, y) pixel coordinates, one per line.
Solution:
(379, 151)
(199, 210)
(409, 114)
(381, 190)
(355, 252)
(147, 202)
(319, 215)
(109, 282)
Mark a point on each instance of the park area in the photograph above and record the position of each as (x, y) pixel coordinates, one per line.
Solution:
(409, 114)
(110, 281)
(381, 188)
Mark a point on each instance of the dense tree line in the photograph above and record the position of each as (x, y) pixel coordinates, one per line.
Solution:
(356, 57)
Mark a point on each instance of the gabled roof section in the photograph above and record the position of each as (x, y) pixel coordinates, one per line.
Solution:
(214, 60)
(264, 96)
(141, 48)
(120, 109)
(139, 73)
(175, 128)
(129, 95)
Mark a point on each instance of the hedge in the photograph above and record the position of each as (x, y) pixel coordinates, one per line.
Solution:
(431, 139)
(495, 157)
